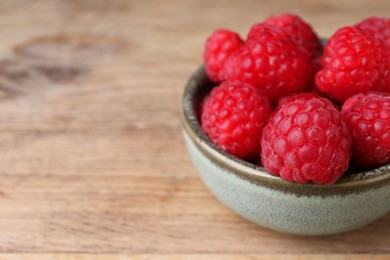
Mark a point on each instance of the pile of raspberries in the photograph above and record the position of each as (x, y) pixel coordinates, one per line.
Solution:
(301, 110)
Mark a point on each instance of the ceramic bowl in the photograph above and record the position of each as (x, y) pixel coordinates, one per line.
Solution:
(306, 209)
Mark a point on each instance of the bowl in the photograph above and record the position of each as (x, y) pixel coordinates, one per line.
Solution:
(270, 201)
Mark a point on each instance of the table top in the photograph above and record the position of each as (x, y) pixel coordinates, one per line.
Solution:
(92, 157)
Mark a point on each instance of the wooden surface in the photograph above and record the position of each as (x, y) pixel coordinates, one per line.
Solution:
(92, 158)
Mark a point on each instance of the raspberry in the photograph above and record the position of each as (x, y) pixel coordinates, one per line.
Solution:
(368, 118)
(218, 48)
(299, 30)
(271, 61)
(233, 117)
(262, 32)
(377, 27)
(353, 62)
(305, 139)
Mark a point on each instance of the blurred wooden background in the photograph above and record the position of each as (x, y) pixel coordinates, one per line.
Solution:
(92, 159)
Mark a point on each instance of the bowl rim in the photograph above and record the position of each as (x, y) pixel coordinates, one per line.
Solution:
(350, 183)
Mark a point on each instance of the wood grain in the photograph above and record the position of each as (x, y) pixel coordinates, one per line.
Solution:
(92, 158)
(190, 256)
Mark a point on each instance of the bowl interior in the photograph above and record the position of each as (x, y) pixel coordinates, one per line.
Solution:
(198, 87)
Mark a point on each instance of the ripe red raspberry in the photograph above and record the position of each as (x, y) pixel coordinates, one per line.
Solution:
(233, 117)
(272, 62)
(218, 48)
(299, 30)
(305, 139)
(353, 62)
(377, 27)
(368, 118)
(262, 32)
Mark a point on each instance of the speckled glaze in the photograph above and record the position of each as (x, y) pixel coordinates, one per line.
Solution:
(305, 209)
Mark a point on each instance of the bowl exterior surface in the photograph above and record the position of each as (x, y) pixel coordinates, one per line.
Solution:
(303, 214)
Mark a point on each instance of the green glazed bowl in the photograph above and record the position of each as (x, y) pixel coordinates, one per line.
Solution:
(306, 209)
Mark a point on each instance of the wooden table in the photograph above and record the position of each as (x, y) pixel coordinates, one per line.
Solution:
(92, 158)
